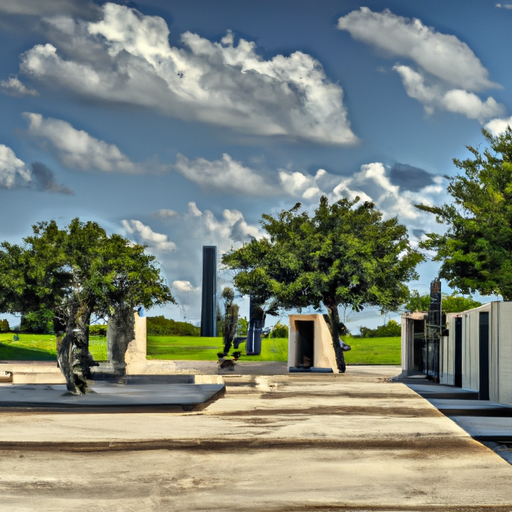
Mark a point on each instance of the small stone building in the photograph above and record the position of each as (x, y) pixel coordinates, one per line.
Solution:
(310, 344)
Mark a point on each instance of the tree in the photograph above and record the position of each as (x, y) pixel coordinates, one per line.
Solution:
(450, 303)
(74, 273)
(476, 249)
(343, 255)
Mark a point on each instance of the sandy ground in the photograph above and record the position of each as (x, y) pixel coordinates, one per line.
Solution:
(274, 442)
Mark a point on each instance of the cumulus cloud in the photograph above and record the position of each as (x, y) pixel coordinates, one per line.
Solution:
(394, 191)
(13, 87)
(453, 100)
(79, 150)
(448, 74)
(186, 296)
(497, 126)
(126, 57)
(224, 175)
(157, 242)
(15, 174)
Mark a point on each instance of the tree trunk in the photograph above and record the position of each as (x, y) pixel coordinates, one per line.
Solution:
(120, 332)
(334, 327)
(74, 358)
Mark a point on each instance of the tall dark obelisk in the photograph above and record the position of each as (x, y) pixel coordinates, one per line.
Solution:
(209, 291)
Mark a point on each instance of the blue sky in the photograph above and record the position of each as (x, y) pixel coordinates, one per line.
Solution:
(178, 124)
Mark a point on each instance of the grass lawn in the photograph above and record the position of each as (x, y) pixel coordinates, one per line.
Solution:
(193, 348)
(41, 347)
(373, 350)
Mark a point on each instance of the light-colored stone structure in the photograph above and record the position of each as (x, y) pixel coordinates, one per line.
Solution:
(310, 343)
(136, 354)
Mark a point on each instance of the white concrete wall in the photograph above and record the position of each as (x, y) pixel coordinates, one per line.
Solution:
(471, 346)
(500, 353)
(447, 352)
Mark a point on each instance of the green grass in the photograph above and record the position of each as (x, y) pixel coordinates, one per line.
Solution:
(193, 348)
(41, 347)
(373, 350)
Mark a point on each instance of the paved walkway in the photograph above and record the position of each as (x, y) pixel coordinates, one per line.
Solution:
(284, 442)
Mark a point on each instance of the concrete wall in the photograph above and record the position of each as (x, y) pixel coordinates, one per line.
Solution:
(324, 356)
(500, 353)
(500, 350)
(407, 341)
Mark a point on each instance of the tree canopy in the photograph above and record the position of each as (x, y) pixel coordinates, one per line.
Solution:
(476, 249)
(69, 274)
(449, 303)
(344, 254)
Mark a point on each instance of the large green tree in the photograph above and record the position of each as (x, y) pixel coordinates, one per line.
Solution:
(74, 273)
(344, 254)
(476, 248)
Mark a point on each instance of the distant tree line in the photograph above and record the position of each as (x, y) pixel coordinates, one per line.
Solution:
(161, 326)
(391, 329)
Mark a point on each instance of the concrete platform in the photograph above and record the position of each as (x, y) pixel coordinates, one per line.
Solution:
(294, 442)
(454, 407)
(107, 397)
(488, 429)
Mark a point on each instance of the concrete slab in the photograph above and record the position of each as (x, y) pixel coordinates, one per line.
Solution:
(106, 396)
(453, 407)
(486, 428)
(274, 442)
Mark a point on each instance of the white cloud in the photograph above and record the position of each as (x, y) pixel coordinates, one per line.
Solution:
(504, 6)
(224, 175)
(449, 72)
(144, 234)
(14, 173)
(441, 55)
(79, 150)
(13, 87)
(453, 100)
(129, 60)
(497, 126)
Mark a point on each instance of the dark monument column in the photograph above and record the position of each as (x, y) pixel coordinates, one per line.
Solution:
(209, 292)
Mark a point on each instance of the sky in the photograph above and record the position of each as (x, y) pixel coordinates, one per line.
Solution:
(178, 124)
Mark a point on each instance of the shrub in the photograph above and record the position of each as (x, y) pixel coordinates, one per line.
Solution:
(97, 330)
(4, 326)
(391, 329)
(279, 331)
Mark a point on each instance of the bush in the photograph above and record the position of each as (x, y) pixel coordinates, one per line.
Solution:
(97, 330)
(391, 329)
(279, 331)
(4, 326)
(161, 326)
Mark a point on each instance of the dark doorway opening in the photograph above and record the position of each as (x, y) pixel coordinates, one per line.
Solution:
(305, 348)
(483, 393)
